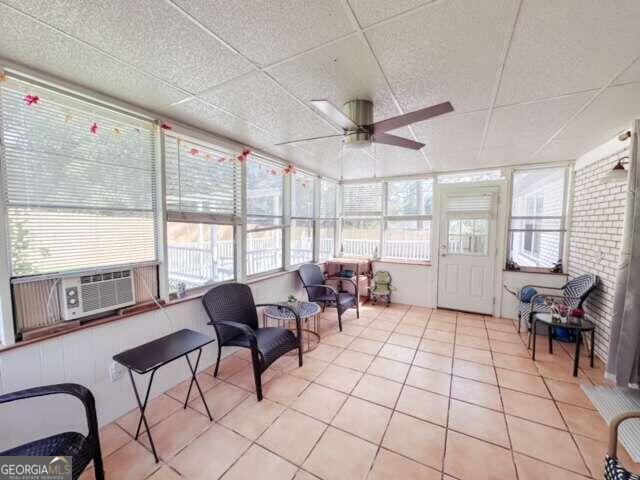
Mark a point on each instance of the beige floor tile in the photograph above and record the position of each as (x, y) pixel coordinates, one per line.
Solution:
(510, 337)
(391, 466)
(157, 410)
(211, 454)
(442, 326)
(594, 452)
(165, 473)
(339, 455)
(416, 439)
(403, 340)
(476, 392)
(532, 407)
(532, 469)
(478, 422)
(471, 341)
(411, 327)
(339, 378)
(588, 423)
(522, 382)
(250, 418)
(424, 405)
(233, 364)
(310, 369)
(375, 334)
(363, 419)
(176, 432)
(319, 402)
(471, 330)
(340, 340)
(179, 392)
(383, 324)
(364, 345)
(354, 360)
(112, 437)
(568, 393)
(434, 346)
(545, 443)
(474, 371)
(562, 371)
(284, 389)
(220, 400)
(471, 459)
(439, 335)
(292, 436)
(433, 361)
(389, 369)
(473, 355)
(133, 462)
(260, 463)
(397, 353)
(431, 380)
(519, 364)
(324, 352)
(302, 475)
(245, 378)
(515, 349)
(378, 390)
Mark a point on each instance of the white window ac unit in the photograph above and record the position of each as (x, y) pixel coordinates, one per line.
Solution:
(86, 295)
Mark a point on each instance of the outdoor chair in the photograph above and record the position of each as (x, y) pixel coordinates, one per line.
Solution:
(319, 292)
(82, 449)
(232, 313)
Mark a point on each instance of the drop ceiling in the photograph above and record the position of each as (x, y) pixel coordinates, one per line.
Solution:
(531, 80)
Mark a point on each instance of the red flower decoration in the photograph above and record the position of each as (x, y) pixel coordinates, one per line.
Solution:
(289, 170)
(243, 156)
(31, 99)
(222, 160)
(166, 126)
(94, 128)
(195, 151)
(273, 172)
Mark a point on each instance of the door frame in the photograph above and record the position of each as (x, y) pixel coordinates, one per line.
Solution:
(498, 216)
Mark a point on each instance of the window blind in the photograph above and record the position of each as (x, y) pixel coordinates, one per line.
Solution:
(302, 196)
(203, 182)
(362, 199)
(79, 181)
(265, 191)
(328, 199)
(481, 202)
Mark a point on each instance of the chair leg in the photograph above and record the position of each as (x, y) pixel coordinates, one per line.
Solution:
(256, 373)
(339, 318)
(215, 371)
(98, 469)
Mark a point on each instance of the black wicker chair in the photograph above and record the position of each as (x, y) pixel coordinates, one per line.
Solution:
(233, 315)
(80, 448)
(327, 296)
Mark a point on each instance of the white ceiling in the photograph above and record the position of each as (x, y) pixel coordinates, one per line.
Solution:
(530, 80)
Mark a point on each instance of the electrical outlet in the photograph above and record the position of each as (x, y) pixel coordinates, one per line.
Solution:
(116, 371)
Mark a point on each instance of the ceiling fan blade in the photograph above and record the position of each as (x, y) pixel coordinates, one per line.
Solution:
(309, 139)
(389, 139)
(333, 113)
(412, 117)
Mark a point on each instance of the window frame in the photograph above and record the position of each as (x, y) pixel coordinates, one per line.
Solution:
(320, 218)
(315, 185)
(536, 232)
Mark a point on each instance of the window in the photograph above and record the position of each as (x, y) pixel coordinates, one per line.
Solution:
(362, 222)
(79, 182)
(203, 207)
(328, 219)
(477, 176)
(265, 193)
(536, 232)
(302, 213)
(407, 234)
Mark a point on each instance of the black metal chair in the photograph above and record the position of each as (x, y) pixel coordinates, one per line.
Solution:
(233, 315)
(80, 448)
(327, 296)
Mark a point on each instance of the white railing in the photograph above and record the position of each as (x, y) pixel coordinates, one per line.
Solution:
(401, 249)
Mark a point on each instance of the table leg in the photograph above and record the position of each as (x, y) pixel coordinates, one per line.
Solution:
(593, 345)
(576, 361)
(550, 338)
(533, 334)
(194, 370)
(142, 407)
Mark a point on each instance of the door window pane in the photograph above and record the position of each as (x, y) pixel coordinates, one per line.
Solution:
(468, 236)
(407, 239)
(301, 241)
(361, 237)
(264, 251)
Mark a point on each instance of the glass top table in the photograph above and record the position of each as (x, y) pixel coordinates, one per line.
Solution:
(308, 312)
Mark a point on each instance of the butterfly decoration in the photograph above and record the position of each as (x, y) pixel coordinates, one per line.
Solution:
(274, 173)
(3, 77)
(31, 100)
(166, 126)
(222, 160)
(94, 128)
(207, 156)
(116, 131)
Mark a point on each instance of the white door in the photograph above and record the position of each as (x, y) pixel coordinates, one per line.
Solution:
(467, 249)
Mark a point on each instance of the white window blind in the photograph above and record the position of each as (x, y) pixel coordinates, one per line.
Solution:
(203, 182)
(362, 199)
(328, 199)
(79, 182)
(481, 202)
(302, 196)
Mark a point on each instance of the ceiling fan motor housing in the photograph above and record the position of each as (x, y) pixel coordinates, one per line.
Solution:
(361, 112)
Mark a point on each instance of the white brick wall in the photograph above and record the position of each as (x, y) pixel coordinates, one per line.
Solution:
(596, 238)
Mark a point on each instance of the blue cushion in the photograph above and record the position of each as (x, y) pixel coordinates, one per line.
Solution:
(527, 293)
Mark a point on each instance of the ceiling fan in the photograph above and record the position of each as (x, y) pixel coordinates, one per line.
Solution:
(359, 130)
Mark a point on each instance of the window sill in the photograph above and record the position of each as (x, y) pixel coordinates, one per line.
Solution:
(266, 276)
(537, 271)
(422, 263)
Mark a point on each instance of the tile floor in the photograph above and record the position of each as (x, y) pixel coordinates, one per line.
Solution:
(403, 392)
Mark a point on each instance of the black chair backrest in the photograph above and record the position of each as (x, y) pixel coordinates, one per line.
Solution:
(311, 274)
(231, 302)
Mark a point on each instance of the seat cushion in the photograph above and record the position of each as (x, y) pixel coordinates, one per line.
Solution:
(273, 342)
(526, 294)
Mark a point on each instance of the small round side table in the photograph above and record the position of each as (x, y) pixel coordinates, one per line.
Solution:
(307, 311)
(577, 324)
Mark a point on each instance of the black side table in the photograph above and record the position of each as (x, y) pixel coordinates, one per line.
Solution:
(149, 357)
(577, 324)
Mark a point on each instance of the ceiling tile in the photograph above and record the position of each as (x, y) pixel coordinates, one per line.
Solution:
(534, 122)
(369, 12)
(149, 34)
(267, 32)
(511, 155)
(392, 160)
(453, 158)
(23, 41)
(462, 131)
(357, 164)
(569, 46)
(338, 72)
(631, 74)
(259, 100)
(610, 113)
(563, 149)
(448, 51)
